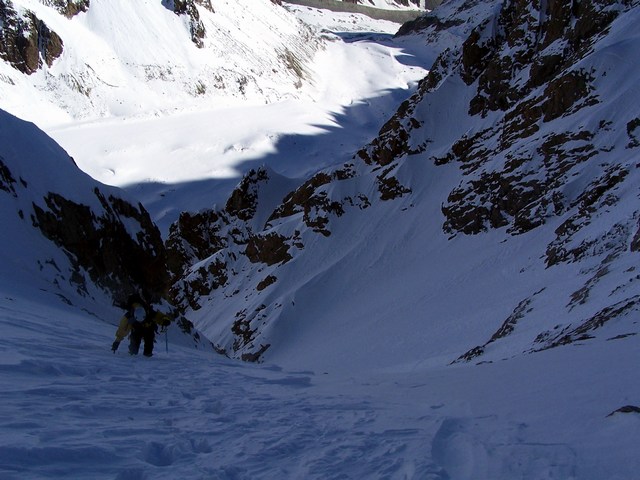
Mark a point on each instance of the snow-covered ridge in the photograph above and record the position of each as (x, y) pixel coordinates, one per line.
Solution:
(122, 58)
(55, 218)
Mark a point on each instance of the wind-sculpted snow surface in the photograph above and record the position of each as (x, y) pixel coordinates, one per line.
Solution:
(118, 57)
(502, 196)
(72, 409)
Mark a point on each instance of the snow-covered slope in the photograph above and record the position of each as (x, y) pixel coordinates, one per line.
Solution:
(64, 234)
(499, 223)
(450, 24)
(392, 3)
(123, 58)
(366, 282)
(386, 4)
(194, 158)
(72, 409)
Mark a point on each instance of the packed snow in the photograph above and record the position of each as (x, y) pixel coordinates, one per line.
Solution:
(73, 409)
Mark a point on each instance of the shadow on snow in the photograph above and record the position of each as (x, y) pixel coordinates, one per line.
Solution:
(296, 156)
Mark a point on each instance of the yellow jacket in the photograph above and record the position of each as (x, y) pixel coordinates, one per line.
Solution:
(156, 318)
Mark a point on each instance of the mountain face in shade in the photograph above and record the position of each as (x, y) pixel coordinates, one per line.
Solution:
(65, 233)
(494, 214)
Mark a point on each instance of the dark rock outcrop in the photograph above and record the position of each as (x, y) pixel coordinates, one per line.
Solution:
(68, 8)
(26, 42)
(586, 329)
(216, 239)
(506, 329)
(7, 182)
(101, 244)
(190, 9)
(626, 409)
(197, 236)
(109, 243)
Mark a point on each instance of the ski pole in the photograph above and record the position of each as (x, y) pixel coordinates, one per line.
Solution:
(166, 340)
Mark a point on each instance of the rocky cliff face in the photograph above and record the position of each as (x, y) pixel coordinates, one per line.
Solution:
(543, 142)
(523, 69)
(68, 8)
(532, 111)
(95, 237)
(26, 42)
(101, 245)
(189, 8)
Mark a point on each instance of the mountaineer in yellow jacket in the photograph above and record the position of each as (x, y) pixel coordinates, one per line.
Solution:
(140, 322)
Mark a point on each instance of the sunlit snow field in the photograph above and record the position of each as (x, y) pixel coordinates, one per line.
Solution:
(193, 158)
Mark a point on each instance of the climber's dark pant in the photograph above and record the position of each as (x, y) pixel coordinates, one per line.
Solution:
(140, 332)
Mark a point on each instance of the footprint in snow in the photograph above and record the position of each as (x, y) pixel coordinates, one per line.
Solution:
(457, 452)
